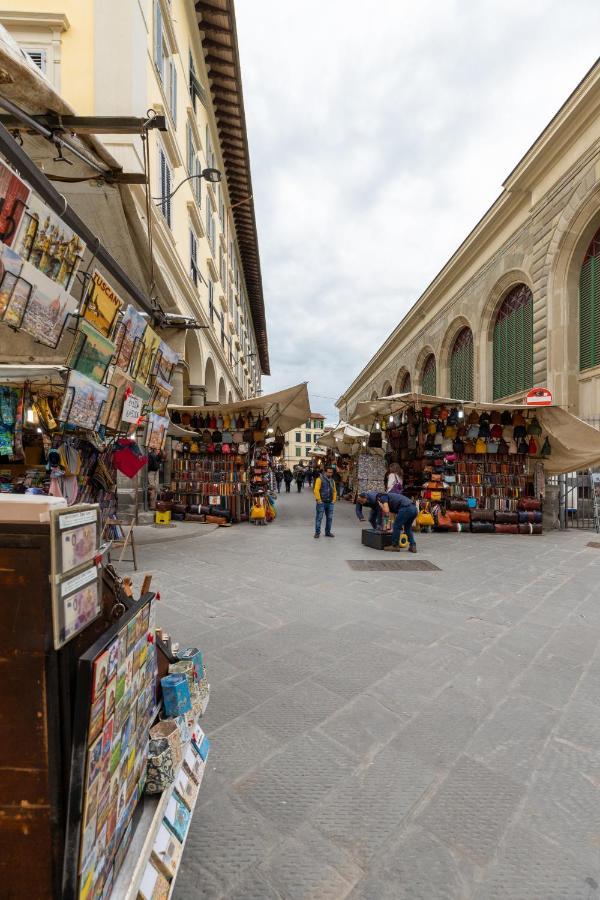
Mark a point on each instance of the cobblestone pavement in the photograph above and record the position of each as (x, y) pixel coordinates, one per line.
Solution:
(382, 735)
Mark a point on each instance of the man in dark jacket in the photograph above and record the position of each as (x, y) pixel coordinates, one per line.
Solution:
(288, 478)
(325, 495)
(370, 500)
(404, 509)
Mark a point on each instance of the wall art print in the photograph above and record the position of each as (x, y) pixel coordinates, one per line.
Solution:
(102, 304)
(83, 401)
(48, 244)
(14, 195)
(91, 353)
(47, 308)
(130, 332)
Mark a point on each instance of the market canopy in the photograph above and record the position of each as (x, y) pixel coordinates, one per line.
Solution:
(575, 444)
(343, 437)
(285, 409)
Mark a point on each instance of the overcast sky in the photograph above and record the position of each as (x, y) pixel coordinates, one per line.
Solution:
(379, 134)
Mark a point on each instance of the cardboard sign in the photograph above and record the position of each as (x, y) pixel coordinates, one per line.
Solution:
(539, 397)
(132, 408)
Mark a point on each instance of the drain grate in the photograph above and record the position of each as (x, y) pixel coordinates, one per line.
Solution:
(392, 565)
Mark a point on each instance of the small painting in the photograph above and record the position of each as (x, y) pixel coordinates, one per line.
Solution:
(94, 761)
(167, 359)
(109, 703)
(48, 244)
(161, 396)
(100, 673)
(48, 307)
(107, 736)
(91, 353)
(14, 291)
(128, 338)
(102, 304)
(14, 195)
(151, 342)
(83, 401)
(113, 659)
(156, 434)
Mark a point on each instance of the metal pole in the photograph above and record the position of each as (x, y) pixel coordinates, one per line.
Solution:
(562, 500)
(38, 181)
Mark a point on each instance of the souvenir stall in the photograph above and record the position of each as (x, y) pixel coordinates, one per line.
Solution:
(364, 455)
(66, 428)
(101, 747)
(479, 467)
(222, 460)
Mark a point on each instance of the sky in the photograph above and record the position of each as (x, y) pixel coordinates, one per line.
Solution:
(379, 134)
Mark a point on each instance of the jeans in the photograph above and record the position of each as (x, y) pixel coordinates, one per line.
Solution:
(299, 486)
(340, 490)
(287, 487)
(374, 518)
(404, 519)
(327, 509)
(279, 487)
(359, 512)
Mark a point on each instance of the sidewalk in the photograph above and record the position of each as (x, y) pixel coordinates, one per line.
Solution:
(415, 735)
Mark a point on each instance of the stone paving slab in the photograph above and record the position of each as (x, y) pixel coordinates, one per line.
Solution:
(380, 735)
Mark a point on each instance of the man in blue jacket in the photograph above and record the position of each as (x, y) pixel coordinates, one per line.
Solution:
(325, 495)
(404, 509)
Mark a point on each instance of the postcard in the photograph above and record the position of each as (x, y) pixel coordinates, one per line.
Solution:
(48, 244)
(107, 735)
(161, 396)
(128, 338)
(156, 434)
(91, 802)
(113, 659)
(83, 401)
(14, 195)
(91, 353)
(12, 298)
(150, 342)
(47, 309)
(100, 674)
(109, 705)
(96, 717)
(88, 841)
(78, 546)
(94, 761)
(115, 755)
(120, 685)
(102, 304)
(167, 359)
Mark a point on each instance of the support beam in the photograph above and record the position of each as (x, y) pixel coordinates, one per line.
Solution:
(89, 124)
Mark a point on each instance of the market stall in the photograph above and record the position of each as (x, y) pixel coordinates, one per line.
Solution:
(364, 464)
(222, 465)
(477, 466)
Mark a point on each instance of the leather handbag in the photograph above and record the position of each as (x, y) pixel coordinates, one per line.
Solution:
(227, 437)
(471, 503)
(425, 519)
(443, 521)
(546, 449)
(523, 446)
(482, 527)
(502, 447)
(534, 428)
(459, 516)
(506, 517)
(480, 446)
(450, 479)
(492, 446)
(506, 417)
(469, 447)
(473, 432)
(458, 505)
(532, 448)
(459, 446)
(529, 503)
(375, 439)
(535, 517)
(529, 528)
(482, 515)
(506, 529)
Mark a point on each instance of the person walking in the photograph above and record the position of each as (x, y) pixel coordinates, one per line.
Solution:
(393, 481)
(325, 495)
(278, 479)
(299, 479)
(405, 509)
(288, 478)
(309, 476)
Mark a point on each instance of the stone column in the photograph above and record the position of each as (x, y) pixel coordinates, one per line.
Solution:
(177, 382)
(197, 395)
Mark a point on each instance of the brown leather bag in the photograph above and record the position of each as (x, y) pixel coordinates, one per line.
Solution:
(506, 518)
(528, 528)
(529, 503)
(456, 516)
(506, 529)
(482, 515)
(458, 505)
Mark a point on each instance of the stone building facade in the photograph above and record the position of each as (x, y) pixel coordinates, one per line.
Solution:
(518, 304)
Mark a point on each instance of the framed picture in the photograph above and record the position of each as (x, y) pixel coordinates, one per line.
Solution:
(128, 339)
(13, 296)
(48, 307)
(157, 432)
(14, 196)
(150, 344)
(77, 603)
(102, 304)
(160, 396)
(166, 360)
(91, 353)
(83, 401)
(48, 244)
(75, 537)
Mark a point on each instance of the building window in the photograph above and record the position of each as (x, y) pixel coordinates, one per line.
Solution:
(210, 227)
(171, 87)
(589, 306)
(461, 366)
(166, 180)
(298, 436)
(194, 275)
(211, 300)
(196, 89)
(429, 377)
(308, 438)
(38, 57)
(298, 451)
(405, 386)
(513, 343)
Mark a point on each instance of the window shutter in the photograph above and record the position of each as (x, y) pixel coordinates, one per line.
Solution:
(158, 57)
(589, 318)
(173, 89)
(429, 375)
(513, 344)
(198, 182)
(461, 366)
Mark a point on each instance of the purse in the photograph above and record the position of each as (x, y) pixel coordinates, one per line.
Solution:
(480, 446)
(546, 449)
(458, 516)
(530, 529)
(506, 529)
(443, 521)
(534, 428)
(534, 517)
(529, 503)
(483, 527)
(506, 518)
(482, 515)
(425, 519)
(458, 505)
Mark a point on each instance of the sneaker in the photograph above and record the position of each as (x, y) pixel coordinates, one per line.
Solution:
(316, 536)
(392, 548)
(412, 549)
(330, 535)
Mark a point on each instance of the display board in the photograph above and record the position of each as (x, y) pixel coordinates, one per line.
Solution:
(116, 704)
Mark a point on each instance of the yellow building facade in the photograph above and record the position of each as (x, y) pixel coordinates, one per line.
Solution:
(179, 59)
(518, 305)
(300, 442)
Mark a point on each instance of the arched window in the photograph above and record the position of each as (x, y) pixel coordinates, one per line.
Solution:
(461, 366)
(405, 386)
(513, 343)
(428, 381)
(589, 306)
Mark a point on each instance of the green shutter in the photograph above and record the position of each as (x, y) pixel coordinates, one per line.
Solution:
(429, 377)
(513, 351)
(461, 371)
(589, 313)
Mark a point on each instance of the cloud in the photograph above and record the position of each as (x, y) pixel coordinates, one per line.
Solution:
(379, 135)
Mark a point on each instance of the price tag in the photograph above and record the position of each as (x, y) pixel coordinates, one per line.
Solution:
(132, 408)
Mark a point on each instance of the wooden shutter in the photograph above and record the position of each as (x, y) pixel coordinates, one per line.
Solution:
(158, 56)
(429, 379)
(461, 366)
(513, 343)
(589, 313)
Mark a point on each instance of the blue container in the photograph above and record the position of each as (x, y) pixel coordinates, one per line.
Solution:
(176, 695)
(193, 654)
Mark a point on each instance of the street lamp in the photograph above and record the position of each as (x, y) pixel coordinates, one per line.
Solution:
(213, 176)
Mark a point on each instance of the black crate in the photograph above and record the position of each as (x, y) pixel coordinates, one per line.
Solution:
(376, 540)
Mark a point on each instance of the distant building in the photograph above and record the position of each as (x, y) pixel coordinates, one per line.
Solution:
(300, 441)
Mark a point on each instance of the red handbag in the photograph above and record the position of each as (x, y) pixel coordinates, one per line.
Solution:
(128, 458)
(529, 503)
(506, 529)
(457, 516)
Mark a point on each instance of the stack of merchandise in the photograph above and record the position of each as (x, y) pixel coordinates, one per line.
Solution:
(214, 479)
(370, 472)
(261, 487)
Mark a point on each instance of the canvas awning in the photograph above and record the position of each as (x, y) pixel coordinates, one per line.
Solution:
(285, 409)
(343, 437)
(575, 444)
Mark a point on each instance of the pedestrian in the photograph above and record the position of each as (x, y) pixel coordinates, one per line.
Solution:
(299, 478)
(325, 495)
(309, 476)
(338, 480)
(370, 499)
(393, 479)
(341, 485)
(278, 479)
(288, 478)
(405, 509)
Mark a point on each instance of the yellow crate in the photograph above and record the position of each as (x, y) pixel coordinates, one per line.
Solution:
(162, 518)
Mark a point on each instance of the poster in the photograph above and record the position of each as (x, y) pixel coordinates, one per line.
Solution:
(157, 432)
(120, 384)
(161, 396)
(14, 291)
(83, 401)
(14, 195)
(91, 352)
(47, 309)
(79, 604)
(48, 244)
(128, 339)
(151, 342)
(167, 360)
(102, 304)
